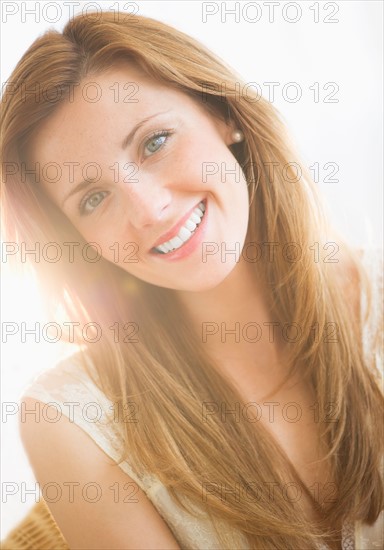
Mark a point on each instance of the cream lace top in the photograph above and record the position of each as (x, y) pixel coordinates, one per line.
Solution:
(69, 388)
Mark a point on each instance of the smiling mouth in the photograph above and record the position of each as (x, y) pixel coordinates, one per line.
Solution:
(185, 232)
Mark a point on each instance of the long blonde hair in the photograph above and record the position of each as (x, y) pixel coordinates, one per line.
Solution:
(167, 372)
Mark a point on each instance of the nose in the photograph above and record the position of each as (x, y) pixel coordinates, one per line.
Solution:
(145, 202)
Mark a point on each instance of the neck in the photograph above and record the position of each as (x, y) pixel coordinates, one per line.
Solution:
(233, 322)
(238, 298)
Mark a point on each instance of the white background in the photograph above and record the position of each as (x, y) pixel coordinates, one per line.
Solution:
(348, 133)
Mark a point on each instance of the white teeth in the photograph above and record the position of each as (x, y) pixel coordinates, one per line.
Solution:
(190, 225)
(176, 242)
(185, 233)
(195, 218)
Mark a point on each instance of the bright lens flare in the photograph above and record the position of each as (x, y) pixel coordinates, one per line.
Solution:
(31, 342)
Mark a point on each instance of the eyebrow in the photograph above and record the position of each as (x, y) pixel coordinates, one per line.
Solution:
(126, 141)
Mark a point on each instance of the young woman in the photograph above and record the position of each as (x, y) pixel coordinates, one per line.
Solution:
(227, 345)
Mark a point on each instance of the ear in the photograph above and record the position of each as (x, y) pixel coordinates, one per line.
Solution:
(230, 132)
(235, 135)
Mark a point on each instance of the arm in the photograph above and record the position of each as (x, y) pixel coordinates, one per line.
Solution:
(61, 452)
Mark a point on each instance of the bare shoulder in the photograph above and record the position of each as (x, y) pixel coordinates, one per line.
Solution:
(94, 503)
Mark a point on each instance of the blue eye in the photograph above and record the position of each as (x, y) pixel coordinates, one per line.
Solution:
(156, 141)
(91, 202)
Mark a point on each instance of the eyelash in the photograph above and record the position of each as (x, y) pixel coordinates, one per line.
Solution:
(86, 198)
(159, 133)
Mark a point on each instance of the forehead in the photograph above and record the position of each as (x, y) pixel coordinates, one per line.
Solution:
(101, 108)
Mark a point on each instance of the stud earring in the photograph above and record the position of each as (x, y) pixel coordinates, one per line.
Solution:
(237, 136)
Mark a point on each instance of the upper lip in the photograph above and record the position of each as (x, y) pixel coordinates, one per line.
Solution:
(176, 228)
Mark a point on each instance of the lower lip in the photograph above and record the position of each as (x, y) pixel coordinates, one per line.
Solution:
(189, 246)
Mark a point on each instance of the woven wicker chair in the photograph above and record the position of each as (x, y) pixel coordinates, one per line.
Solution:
(37, 531)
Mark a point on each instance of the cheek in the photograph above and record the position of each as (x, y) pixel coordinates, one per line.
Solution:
(101, 236)
(118, 244)
(186, 163)
(198, 155)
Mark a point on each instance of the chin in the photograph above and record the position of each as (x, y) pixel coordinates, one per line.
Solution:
(205, 279)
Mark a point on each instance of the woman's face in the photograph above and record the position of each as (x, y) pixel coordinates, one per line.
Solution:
(136, 159)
